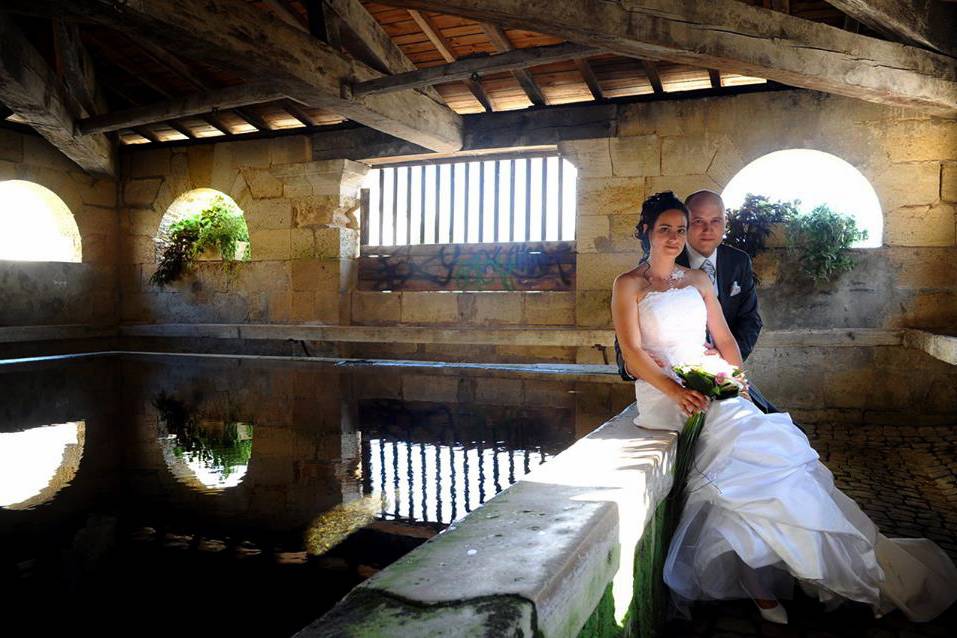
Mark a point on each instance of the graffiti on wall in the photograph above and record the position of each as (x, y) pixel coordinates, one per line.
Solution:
(518, 266)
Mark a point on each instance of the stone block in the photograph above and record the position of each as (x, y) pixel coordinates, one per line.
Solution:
(258, 276)
(268, 245)
(144, 221)
(329, 307)
(592, 356)
(303, 306)
(598, 271)
(315, 274)
(296, 186)
(492, 391)
(677, 118)
(96, 219)
(261, 183)
(11, 146)
(920, 140)
(687, 155)
(498, 308)
(250, 153)
(948, 182)
(200, 162)
(592, 157)
(268, 214)
(593, 308)
(420, 387)
(727, 162)
(376, 308)
(921, 226)
(900, 185)
(100, 249)
(291, 149)
(621, 235)
(550, 308)
(610, 196)
(923, 268)
(637, 156)
(8, 170)
(96, 192)
(681, 185)
(591, 233)
(149, 162)
(430, 307)
(141, 192)
(325, 210)
(337, 243)
(303, 243)
(142, 250)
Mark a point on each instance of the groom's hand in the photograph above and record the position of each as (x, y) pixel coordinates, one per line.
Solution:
(709, 350)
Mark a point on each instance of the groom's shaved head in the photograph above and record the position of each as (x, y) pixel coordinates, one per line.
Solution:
(706, 221)
(704, 198)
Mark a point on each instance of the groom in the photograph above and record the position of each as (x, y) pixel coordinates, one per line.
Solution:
(730, 272)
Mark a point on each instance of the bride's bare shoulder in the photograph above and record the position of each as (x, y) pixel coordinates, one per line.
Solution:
(632, 281)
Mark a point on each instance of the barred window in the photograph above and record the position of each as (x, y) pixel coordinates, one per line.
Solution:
(485, 200)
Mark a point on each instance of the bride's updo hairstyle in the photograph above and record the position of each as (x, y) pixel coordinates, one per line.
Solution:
(651, 209)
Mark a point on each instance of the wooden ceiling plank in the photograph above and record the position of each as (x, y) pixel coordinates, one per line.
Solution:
(182, 130)
(31, 89)
(735, 37)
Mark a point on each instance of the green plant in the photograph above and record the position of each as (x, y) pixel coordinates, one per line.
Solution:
(820, 241)
(750, 225)
(221, 451)
(218, 226)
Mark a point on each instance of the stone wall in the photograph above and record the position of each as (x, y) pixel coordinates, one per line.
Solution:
(45, 293)
(302, 230)
(909, 159)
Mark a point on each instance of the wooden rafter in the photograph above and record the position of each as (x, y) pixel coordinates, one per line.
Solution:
(297, 112)
(588, 74)
(249, 40)
(213, 120)
(182, 130)
(735, 37)
(196, 104)
(147, 133)
(715, 76)
(502, 44)
(651, 71)
(445, 50)
(286, 14)
(31, 89)
(252, 118)
(923, 23)
(469, 67)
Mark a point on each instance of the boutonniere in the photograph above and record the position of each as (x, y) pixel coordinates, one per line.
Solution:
(735, 289)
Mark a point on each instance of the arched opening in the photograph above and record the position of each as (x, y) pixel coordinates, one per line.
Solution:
(36, 464)
(191, 205)
(36, 225)
(813, 178)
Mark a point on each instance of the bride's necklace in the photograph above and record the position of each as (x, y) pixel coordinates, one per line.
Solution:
(671, 282)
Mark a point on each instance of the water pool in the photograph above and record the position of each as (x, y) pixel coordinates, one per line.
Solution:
(197, 495)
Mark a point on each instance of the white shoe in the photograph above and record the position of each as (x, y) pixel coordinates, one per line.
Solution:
(776, 614)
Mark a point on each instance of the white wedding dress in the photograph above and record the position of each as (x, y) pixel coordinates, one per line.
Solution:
(762, 509)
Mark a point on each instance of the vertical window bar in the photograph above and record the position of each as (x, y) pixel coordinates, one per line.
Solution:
(395, 206)
(451, 200)
(438, 200)
(482, 201)
(561, 194)
(498, 182)
(408, 205)
(528, 199)
(511, 212)
(381, 203)
(544, 195)
(468, 201)
(422, 204)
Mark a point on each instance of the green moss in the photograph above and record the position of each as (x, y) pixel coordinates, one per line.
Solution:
(601, 623)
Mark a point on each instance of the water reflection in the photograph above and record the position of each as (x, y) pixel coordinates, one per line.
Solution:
(37, 463)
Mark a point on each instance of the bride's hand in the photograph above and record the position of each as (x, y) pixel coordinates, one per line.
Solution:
(689, 401)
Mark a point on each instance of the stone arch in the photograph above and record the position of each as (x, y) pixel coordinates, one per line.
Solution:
(815, 177)
(36, 224)
(187, 204)
(51, 453)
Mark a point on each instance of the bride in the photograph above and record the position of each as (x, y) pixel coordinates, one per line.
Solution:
(761, 509)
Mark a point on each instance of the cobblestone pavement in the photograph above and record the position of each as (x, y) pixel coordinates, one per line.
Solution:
(905, 479)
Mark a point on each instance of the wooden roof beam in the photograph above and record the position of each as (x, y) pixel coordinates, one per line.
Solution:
(182, 130)
(445, 50)
(734, 37)
(237, 35)
(502, 44)
(298, 113)
(469, 67)
(197, 104)
(715, 76)
(31, 89)
(588, 74)
(923, 23)
(252, 118)
(651, 71)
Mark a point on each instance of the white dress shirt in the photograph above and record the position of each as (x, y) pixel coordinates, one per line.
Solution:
(695, 259)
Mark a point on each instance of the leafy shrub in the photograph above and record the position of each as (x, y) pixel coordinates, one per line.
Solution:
(750, 226)
(820, 241)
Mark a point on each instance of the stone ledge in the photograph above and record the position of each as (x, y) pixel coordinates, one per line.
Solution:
(941, 347)
(570, 533)
(15, 334)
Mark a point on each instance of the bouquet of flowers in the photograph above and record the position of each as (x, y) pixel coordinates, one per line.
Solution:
(717, 379)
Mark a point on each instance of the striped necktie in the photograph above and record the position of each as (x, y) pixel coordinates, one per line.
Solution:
(708, 267)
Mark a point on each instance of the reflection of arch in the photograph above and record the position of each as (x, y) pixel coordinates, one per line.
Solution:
(190, 204)
(36, 464)
(190, 468)
(36, 225)
(815, 178)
